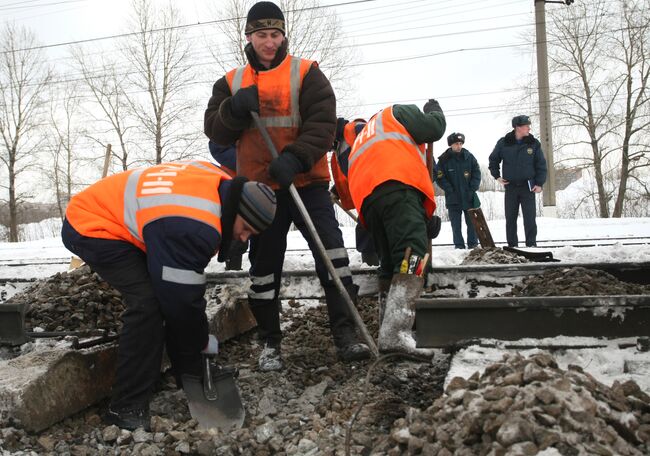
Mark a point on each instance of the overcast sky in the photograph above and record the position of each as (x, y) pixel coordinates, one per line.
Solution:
(470, 54)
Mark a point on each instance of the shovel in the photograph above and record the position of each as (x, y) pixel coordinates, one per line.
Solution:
(214, 400)
(321, 248)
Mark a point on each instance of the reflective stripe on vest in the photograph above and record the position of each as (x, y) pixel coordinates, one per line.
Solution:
(381, 135)
(161, 196)
(382, 152)
(294, 119)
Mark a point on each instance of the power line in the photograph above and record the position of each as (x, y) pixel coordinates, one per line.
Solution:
(163, 29)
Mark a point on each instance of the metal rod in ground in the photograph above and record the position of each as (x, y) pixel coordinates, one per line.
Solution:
(319, 244)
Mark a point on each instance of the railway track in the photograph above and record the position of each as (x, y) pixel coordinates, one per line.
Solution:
(541, 244)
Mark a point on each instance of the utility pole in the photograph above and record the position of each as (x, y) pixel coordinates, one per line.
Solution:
(546, 125)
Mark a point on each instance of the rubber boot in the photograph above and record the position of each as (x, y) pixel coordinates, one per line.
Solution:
(396, 330)
(349, 346)
(384, 286)
(267, 314)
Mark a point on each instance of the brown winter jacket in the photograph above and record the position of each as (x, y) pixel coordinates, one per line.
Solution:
(317, 106)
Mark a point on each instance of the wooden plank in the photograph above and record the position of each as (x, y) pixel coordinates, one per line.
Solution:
(481, 227)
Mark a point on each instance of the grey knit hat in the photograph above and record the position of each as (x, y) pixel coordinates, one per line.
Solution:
(257, 205)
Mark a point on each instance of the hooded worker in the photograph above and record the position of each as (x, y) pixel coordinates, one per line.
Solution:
(150, 233)
(392, 190)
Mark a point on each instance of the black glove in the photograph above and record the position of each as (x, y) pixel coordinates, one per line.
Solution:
(284, 168)
(245, 101)
(433, 227)
(431, 105)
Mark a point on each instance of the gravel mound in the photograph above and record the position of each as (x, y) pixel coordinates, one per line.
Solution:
(525, 406)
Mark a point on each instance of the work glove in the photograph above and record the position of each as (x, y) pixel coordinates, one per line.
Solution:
(245, 101)
(433, 227)
(431, 106)
(284, 168)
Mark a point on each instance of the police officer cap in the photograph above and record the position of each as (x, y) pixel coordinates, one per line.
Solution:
(518, 121)
(454, 138)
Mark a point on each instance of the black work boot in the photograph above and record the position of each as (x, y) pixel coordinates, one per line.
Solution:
(267, 314)
(129, 418)
(349, 346)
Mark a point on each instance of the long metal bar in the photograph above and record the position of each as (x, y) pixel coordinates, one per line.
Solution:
(446, 322)
(319, 244)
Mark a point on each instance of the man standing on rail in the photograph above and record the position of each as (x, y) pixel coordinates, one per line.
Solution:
(297, 106)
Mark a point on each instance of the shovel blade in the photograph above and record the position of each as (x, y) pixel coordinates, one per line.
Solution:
(225, 412)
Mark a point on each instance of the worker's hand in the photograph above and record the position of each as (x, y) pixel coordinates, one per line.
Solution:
(284, 168)
(502, 181)
(245, 101)
(433, 227)
(537, 189)
(431, 105)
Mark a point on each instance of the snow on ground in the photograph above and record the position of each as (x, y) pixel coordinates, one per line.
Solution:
(606, 363)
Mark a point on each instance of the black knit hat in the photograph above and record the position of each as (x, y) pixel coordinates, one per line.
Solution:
(264, 15)
(454, 138)
(257, 205)
(518, 121)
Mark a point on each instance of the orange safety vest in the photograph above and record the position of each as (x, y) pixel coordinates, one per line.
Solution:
(340, 179)
(279, 94)
(120, 206)
(384, 151)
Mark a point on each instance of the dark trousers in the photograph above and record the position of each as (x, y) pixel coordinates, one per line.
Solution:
(457, 229)
(397, 221)
(139, 357)
(516, 196)
(267, 252)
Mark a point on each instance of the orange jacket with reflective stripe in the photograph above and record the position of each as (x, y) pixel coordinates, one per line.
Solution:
(119, 206)
(279, 94)
(343, 150)
(384, 151)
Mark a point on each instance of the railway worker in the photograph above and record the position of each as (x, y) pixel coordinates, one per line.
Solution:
(391, 186)
(522, 174)
(346, 132)
(297, 106)
(150, 233)
(459, 175)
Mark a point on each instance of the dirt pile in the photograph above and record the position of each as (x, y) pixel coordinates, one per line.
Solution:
(577, 281)
(492, 255)
(524, 406)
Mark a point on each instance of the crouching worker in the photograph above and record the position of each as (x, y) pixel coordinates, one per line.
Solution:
(393, 193)
(150, 233)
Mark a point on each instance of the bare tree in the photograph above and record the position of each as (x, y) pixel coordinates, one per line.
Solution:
(24, 74)
(313, 32)
(108, 88)
(600, 98)
(159, 57)
(65, 131)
